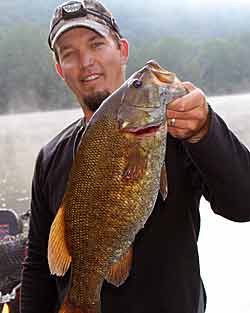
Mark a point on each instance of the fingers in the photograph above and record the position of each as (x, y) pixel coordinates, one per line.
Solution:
(183, 124)
(190, 101)
(179, 133)
(188, 114)
(194, 114)
(189, 86)
(182, 128)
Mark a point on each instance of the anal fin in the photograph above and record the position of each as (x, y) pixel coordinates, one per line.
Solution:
(119, 272)
(58, 255)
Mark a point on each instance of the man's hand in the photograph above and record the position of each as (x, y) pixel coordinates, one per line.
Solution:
(187, 117)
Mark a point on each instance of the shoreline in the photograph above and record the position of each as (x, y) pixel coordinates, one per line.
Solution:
(75, 106)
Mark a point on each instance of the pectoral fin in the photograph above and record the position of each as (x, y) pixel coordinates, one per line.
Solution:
(58, 255)
(164, 182)
(119, 272)
(137, 163)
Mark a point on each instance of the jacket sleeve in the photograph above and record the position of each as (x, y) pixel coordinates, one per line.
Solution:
(38, 291)
(224, 165)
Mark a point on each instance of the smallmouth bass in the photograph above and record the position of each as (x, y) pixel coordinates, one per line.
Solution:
(113, 185)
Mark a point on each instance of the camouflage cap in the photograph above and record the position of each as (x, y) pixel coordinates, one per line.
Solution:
(81, 13)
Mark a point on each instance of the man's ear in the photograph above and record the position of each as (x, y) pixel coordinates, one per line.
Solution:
(59, 70)
(124, 50)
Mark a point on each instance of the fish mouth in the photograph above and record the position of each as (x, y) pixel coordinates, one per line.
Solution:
(147, 130)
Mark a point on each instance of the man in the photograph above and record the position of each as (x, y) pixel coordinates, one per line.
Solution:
(203, 158)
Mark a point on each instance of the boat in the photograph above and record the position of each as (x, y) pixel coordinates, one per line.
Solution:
(13, 243)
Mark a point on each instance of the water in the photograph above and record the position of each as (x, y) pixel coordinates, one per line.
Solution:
(21, 137)
(223, 245)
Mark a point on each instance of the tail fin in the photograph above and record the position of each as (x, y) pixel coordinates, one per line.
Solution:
(68, 307)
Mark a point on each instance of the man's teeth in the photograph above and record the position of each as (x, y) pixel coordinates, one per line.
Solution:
(91, 77)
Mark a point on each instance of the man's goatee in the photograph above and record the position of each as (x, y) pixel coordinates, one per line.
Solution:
(94, 100)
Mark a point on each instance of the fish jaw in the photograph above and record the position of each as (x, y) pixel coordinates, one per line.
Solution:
(147, 111)
(140, 129)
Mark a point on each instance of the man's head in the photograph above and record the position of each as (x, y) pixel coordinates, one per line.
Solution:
(90, 53)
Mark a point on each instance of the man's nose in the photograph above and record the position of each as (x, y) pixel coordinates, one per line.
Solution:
(86, 59)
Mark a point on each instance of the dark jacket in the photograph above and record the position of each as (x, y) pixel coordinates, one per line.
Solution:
(165, 276)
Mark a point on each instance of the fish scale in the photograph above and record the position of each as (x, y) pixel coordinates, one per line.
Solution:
(93, 176)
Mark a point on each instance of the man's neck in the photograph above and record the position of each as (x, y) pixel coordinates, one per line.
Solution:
(88, 114)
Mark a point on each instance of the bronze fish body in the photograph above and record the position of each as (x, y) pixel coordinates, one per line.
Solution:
(112, 187)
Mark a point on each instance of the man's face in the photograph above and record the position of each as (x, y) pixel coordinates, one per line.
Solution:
(91, 65)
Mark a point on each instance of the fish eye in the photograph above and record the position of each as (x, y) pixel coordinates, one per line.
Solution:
(137, 83)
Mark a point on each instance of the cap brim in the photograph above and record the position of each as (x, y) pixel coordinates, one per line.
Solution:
(81, 22)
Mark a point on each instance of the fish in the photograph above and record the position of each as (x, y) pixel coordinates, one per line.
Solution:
(113, 185)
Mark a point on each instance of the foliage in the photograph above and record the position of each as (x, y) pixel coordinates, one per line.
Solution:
(28, 81)
(214, 58)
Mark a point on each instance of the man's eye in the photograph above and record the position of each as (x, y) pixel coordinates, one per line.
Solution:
(67, 54)
(97, 44)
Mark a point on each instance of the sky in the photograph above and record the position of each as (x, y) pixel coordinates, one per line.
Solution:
(220, 2)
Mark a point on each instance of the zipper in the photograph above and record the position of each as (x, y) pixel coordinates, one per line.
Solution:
(77, 137)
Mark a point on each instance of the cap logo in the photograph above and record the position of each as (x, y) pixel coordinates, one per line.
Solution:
(72, 7)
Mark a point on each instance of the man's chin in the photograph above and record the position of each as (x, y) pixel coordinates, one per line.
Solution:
(94, 100)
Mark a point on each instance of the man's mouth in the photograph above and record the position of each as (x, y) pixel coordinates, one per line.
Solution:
(90, 78)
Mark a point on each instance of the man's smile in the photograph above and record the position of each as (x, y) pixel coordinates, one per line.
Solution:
(90, 78)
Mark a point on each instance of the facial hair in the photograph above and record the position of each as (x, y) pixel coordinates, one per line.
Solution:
(93, 101)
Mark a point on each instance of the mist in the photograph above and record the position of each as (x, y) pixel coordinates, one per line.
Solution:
(206, 42)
